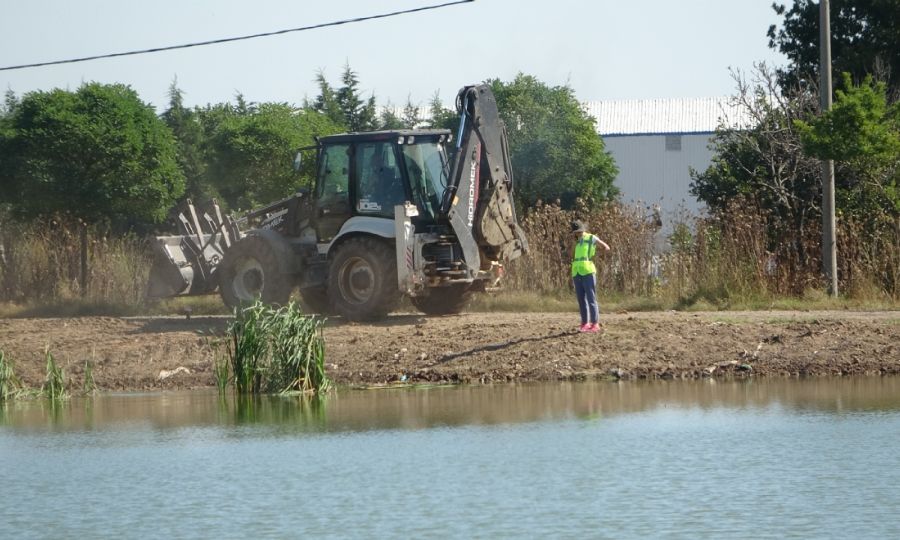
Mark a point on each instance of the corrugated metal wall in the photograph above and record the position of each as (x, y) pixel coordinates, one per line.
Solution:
(649, 173)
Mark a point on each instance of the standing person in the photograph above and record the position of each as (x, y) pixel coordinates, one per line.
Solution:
(584, 275)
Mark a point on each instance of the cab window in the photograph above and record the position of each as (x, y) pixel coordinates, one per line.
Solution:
(380, 185)
(333, 201)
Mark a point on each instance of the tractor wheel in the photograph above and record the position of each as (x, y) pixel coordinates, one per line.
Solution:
(444, 300)
(362, 279)
(251, 269)
(315, 300)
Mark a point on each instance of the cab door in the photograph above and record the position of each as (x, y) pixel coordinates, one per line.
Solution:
(333, 206)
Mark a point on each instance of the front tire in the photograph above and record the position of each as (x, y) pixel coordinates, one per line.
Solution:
(362, 279)
(251, 269)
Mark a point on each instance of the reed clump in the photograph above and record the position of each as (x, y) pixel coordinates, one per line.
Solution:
(274, 350)
(9, 383)
(89, 386)
(55, 381)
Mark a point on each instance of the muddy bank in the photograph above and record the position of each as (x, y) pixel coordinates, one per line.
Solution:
(176, 353)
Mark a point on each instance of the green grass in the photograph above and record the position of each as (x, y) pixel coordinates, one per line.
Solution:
(9, 383)
(88, 386)
(297, 360)
(55, 382)
(275, 350)
(221, 373)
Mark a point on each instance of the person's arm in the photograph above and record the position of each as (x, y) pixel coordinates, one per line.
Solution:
(602, 243)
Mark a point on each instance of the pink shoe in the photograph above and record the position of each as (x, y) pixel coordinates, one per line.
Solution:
(593, 328)
(586, 327)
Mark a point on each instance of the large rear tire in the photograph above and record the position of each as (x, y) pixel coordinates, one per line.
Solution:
(251, 269)
(444, 300)
(362, 279)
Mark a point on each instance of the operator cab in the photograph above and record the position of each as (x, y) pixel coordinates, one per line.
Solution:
(367, 174)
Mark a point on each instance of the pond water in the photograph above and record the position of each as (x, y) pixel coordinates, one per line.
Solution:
(753, 459)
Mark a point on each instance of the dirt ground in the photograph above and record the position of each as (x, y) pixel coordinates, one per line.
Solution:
(177, 353)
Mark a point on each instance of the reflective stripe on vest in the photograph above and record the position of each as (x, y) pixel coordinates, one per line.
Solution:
(582, 265)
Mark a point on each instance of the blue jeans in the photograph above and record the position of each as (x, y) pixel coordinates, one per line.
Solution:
(586, 291)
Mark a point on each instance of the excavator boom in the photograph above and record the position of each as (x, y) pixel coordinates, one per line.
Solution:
(478, 201)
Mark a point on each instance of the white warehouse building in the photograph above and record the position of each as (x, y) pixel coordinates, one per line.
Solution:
(656, 142)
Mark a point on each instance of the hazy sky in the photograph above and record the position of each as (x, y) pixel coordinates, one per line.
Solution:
(605, 49)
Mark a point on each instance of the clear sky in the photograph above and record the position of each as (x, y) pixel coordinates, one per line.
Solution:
(604, 49)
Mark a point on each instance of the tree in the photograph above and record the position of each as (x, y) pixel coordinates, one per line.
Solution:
(326, 102)
(763, 161)
(98, 153)
(251, 153)
(359, 114)
(389, 118)
(411, 118)
(554, 146)
(440, 116)
(188, 131)
(862, 133)
(865, 40)
(345, 106)
(760, 167)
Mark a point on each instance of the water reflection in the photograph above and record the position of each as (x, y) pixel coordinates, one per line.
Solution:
(418, 408)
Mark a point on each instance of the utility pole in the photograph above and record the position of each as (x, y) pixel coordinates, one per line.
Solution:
(829, 233)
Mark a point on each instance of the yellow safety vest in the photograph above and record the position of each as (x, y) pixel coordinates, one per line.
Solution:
(582, 265)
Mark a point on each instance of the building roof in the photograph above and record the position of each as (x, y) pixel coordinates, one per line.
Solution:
(665, 116)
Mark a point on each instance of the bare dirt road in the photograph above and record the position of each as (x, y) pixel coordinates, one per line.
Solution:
(146, 353)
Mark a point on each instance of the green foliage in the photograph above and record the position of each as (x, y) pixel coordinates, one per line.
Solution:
(221, 373)
(187, 127)
(89, 386)
(860, 127)
(408, 119)
(275, 350)
(555, 150)
(389, 119)
(863, 133)
(297, 352)
(440, 116)
(865, 39)
(345, 106)
(55, 381)
(9, 383)
(251, 149)
(98, 153)
(681, 238)
(411, 118)
(359, 113)
(248, 347)
(760, 169)
(326, 102)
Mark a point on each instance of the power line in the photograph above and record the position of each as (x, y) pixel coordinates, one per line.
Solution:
(239, 38)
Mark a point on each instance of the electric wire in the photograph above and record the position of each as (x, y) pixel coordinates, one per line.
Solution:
(239, 38)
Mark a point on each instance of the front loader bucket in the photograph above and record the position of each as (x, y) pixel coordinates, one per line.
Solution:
(173, 272)
(186, 264)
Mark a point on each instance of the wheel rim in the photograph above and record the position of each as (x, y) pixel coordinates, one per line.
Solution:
(356, 280)
(249, 280)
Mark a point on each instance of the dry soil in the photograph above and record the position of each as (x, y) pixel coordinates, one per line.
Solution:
(177, 353)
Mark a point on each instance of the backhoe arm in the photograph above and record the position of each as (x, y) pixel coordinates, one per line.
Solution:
(479, 198)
